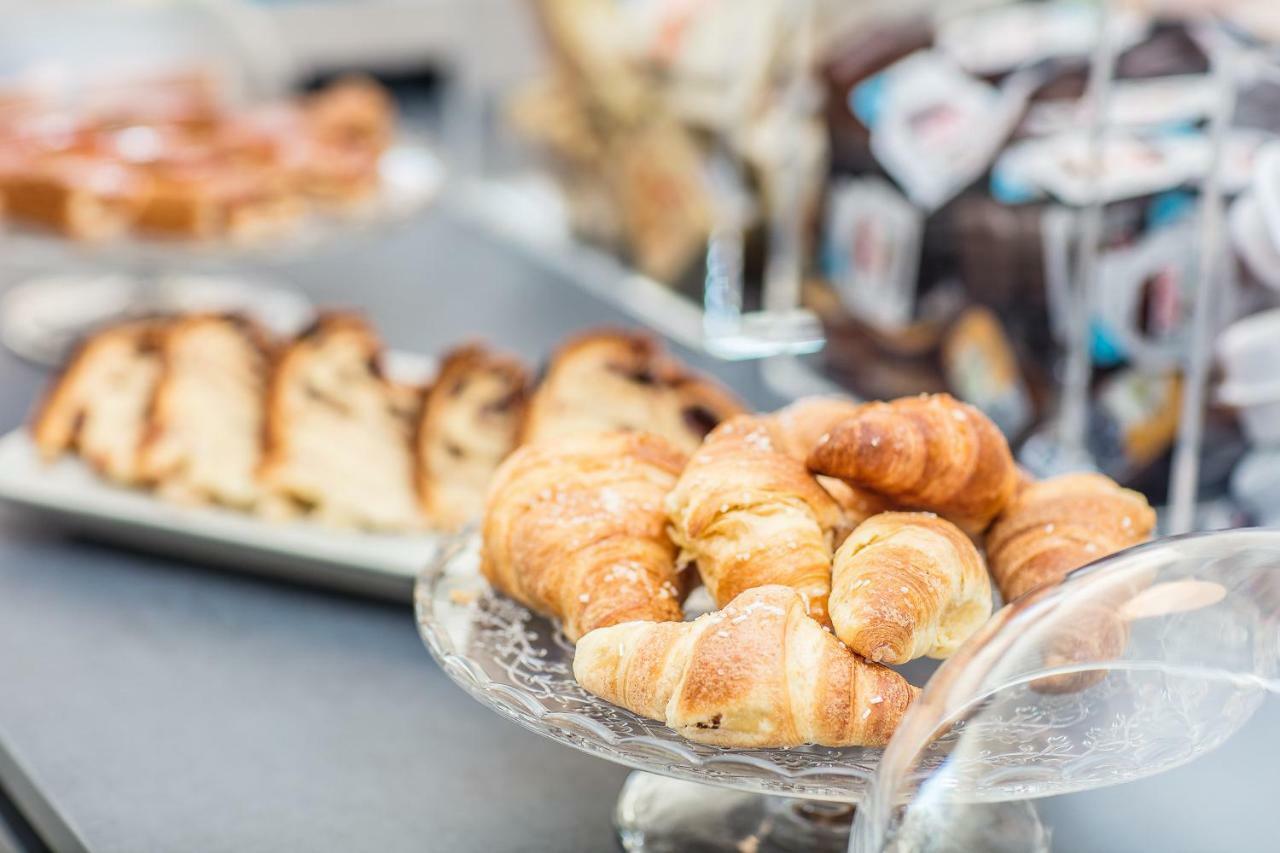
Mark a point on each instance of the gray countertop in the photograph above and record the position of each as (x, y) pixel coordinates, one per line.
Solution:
(146, 704)
(152, 705)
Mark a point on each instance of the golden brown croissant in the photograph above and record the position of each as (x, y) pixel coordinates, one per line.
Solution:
(907, 584)
(796, 430)
(1056, 526)
(574, 529)
(759, 673)
(750, 515)
(929, 452)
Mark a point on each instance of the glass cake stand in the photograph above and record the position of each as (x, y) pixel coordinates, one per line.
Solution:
(41, 317)
(1133, 666)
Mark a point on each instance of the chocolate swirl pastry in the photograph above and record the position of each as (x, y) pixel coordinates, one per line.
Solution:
(615, 379)
(339, 432)
(470, 422)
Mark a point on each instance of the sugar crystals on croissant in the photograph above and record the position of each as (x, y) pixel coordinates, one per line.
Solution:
(1058, 525)
(929, 452)
(796, 430)
(750, 515)
(759, 673)
(907, 584)
(574, 529)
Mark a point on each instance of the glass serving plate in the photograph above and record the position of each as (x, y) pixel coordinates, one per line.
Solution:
(521, 665)
(1025, 709)
(42, 317)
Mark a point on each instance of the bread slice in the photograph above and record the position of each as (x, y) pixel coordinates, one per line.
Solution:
(470, 422)
(339, 434)
(204, 442)
(99, 406)
(613, 379)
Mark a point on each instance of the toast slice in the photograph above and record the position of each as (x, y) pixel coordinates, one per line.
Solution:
(614, 379)
(99, 407)
(470, 422)
(339, 434)
(204, 443)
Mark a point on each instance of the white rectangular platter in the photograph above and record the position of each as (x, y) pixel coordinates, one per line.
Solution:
(68, 493)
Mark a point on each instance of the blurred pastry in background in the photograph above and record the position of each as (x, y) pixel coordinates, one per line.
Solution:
(614, 379)
(470, 422)
(98, 407)
(135, 155)
(339, 432)
(205, 427)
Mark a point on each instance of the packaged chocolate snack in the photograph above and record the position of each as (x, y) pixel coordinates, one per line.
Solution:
(871, 245)
(981, 368)
(994, 41)
(934, 128)
(867, 51)
(1134, 421)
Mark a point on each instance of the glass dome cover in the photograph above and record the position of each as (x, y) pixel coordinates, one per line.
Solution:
(1134, 666)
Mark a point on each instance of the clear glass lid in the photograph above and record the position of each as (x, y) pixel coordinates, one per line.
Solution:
(1132, 667)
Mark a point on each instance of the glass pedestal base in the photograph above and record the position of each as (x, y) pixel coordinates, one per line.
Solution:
(42, 318)
(656, 814)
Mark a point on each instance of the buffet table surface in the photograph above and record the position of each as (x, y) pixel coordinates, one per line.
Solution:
(151, 704)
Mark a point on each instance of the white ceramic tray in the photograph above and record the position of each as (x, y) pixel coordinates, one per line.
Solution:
(68, 493)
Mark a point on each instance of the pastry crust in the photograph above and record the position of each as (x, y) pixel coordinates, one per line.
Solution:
(796, 431)
(929, 452)
(98, 407)
(614, 379)
(907, 584)
(749, 515)
(205, 437)
(339, 434)
(470, 423)
(1058, 525)
(574, 529)
(758, 674)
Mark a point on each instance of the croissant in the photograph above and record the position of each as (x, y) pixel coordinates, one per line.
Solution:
(749, 515)
(797, 429)
(759, 673)
(907, 584)
(574, 529)
(929, 452)
(1058, 525)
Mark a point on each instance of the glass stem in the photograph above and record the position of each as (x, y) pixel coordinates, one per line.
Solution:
(1073, 415)
(1184, 480)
